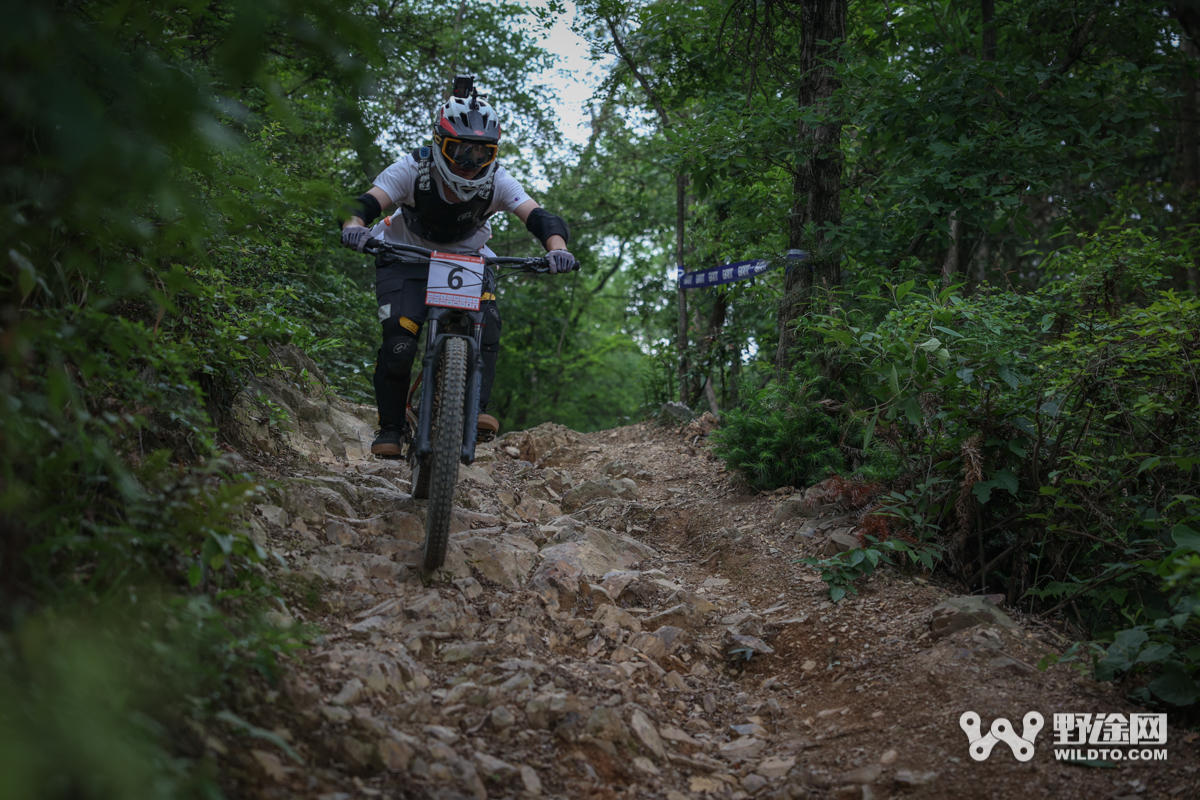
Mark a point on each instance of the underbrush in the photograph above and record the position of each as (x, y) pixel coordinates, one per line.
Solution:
(789, 435)
(156, 254)
(1049, 448)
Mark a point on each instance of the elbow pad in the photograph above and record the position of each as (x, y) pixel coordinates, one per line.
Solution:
(542, 224)
(366, 207)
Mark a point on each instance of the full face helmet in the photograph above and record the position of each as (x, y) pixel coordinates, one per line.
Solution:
(466, 135)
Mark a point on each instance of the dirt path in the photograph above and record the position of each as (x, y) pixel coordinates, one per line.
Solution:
(603, 654)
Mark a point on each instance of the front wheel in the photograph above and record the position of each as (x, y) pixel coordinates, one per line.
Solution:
(448, 405)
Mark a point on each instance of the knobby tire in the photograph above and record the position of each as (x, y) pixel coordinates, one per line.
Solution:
(449, 403)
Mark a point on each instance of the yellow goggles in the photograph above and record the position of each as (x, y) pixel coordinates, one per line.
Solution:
(467, 154)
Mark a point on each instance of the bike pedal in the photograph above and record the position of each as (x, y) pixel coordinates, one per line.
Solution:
(396, 457)
(483, 435)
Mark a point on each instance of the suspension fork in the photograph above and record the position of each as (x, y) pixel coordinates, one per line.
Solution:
(435, 346)
(474, 385)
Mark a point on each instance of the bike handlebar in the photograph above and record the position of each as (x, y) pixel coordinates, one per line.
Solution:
(376, 247)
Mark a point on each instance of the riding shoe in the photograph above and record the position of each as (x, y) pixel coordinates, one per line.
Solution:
(487, 427)
(389, 443)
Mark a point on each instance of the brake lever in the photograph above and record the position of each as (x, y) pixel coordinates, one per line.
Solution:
(370, 247)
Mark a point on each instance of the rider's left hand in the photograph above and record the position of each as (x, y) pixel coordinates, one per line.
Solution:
(560, 261)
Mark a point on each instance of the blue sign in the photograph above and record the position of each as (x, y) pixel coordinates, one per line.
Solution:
(728, 273)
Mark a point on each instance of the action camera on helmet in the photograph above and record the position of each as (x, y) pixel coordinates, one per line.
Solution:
(464, 85)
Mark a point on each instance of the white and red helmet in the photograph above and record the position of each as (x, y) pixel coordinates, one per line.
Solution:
(466, 134)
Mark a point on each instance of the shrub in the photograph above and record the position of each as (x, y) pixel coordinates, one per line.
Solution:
(786, 436)
(1059, 434)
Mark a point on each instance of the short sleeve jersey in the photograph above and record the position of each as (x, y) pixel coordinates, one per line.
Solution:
(400, 181)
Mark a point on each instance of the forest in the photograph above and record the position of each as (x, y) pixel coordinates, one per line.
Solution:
(990, 351)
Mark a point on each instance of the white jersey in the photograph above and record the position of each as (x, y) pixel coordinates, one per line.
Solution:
(399, 181)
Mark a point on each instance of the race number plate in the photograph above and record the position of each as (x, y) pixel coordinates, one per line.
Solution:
(455, 281)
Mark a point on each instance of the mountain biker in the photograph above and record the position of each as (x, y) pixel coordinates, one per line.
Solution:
(446, 194)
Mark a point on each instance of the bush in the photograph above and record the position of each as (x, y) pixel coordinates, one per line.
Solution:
(1059, 434)
(786, 436)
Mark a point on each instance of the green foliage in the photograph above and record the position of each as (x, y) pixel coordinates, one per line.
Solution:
(789, 435)
(1057, 431)
(150, 216)
(841, 571)
(781, 438)
(105, 701)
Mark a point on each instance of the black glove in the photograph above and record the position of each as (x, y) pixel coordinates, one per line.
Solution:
(560, 261)
(355, 236)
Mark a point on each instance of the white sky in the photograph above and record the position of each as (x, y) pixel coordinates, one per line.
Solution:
(576, 76)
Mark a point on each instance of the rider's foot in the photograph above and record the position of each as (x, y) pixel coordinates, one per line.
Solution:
(487, 427)
(389, 443)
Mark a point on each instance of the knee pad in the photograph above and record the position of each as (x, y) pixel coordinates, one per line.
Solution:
(490, 341)
(398, 351)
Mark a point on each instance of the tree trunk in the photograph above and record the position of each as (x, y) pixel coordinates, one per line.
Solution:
(694, 387)
(681, 335)
(711, 395)
(816, 187)
(950, 264)
(733, 384)
(989, 30)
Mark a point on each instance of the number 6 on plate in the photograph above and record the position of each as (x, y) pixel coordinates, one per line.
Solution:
(455, 281)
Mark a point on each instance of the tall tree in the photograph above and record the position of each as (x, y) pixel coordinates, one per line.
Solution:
(817, 182)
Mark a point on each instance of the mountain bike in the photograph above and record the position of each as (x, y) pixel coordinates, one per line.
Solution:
(443, 402)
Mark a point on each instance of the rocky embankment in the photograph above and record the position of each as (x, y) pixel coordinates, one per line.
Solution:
(617, 619)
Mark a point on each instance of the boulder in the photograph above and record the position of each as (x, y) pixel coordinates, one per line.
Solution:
(598, 552)
(622, 469)
(840, 543)
(672, 412)
(544, 710)
(648, 735)
(791, 508)
(400, 525)
(958, 613)
(606, 723)
(535, 509)
(505, 559)
(470, 472)
(662, 642)
(591, 490)
(742, 749)
(537, 442)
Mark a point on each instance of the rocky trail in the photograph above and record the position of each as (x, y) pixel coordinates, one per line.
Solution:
(617, 619)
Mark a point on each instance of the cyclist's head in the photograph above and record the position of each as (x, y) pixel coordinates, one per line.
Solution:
(466, 138)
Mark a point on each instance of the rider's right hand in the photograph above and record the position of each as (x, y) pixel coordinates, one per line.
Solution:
(355, 236)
